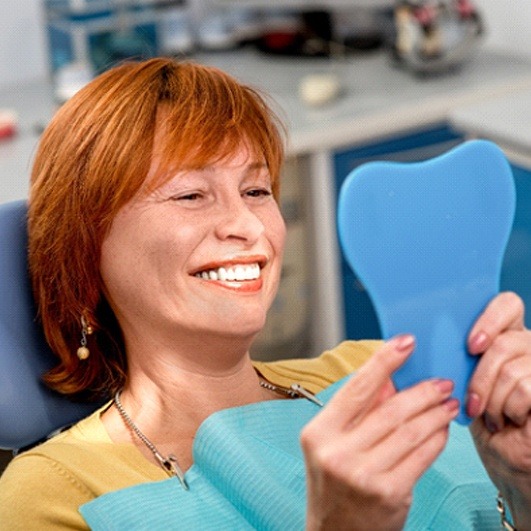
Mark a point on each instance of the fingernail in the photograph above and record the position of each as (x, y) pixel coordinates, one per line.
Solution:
(452, 404)
(404, 342)
(491, 425)
(478, 343)
(444, 386)
(473, 405)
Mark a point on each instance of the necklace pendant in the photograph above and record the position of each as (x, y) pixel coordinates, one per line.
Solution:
(293, 391)
(172, 466)
(300, 391)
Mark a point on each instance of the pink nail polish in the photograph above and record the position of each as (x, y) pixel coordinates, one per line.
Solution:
(444, 386)
(404, 342)
(479, 342)
(473, 405)
(491, 425)
(452, 404)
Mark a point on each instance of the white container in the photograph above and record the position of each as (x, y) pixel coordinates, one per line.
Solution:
(175, 33)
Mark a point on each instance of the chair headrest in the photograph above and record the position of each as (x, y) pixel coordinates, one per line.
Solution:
(29, 411)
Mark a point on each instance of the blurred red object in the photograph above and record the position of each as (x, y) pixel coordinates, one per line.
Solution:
(8, 124)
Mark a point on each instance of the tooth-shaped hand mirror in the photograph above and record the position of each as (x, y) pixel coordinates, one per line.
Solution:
(427, 240)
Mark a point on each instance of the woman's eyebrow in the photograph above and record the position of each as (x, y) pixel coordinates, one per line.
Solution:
(257, 165)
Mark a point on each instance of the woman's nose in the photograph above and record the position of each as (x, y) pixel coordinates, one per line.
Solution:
(238, 221)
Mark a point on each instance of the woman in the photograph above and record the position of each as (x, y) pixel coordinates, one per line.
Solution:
(156, 246)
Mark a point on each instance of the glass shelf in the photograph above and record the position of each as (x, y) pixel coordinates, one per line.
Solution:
(88, 36)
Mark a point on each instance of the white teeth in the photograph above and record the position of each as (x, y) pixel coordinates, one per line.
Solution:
(222, 273)
(234, 273)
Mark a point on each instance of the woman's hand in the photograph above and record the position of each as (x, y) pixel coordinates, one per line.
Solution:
(500, 400)
(368, 447)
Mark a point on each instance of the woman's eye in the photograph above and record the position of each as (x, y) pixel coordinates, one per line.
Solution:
(188, 197)
(258, 192)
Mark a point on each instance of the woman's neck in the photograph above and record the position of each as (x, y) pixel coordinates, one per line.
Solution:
(168, 396)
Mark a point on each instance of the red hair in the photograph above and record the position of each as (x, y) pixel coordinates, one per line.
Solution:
(93, 158)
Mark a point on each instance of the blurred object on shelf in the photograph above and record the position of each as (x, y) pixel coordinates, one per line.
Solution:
(214, 32)
(364, 28)
(102, 33)
(282, 32)
(225, 29)
(70, 78)
(323, 33)
(319, 89)
(435, 35)
(112, 47)
(175, 32)
(246, 24)
(8, 123)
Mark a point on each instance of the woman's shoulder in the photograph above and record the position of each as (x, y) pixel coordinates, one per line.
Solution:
(316, 374)
(49, 482)
(68, 446)
(86, 451)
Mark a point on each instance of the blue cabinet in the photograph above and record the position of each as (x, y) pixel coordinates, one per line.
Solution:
(516, 270)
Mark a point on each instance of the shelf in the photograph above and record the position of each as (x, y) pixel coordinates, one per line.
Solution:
(304, 4)
(84, 7)
(110, 22)
(108, 15)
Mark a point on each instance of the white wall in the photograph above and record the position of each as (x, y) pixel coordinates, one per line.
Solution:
(508, 25)
(23, 43)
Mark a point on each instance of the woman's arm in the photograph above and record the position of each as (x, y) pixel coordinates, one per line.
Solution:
(368, 447)
(500, 401)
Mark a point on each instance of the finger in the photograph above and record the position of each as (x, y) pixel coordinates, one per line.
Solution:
(504, 349)
(518, 404)
(508, 448)
(511, 397)
(358, 395)
(479, 432)
(399, 411)
(409, 471)
(410, 435)
(504, 312)
(398, 482)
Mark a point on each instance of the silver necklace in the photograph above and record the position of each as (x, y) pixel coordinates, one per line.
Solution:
(170, 463)
(294, 391)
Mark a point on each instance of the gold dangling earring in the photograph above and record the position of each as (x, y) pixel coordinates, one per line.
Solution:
(83, 352)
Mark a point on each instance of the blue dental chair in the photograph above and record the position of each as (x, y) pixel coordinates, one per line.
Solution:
(29, 411)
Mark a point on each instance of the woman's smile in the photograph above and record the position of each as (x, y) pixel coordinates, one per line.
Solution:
(242, 274)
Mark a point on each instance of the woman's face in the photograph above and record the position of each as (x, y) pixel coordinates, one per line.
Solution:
(201, 254)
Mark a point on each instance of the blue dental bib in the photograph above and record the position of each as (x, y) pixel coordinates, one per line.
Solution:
(249, 474)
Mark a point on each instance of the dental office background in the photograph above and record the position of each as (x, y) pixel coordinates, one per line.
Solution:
(23, 48)
(306, 318)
